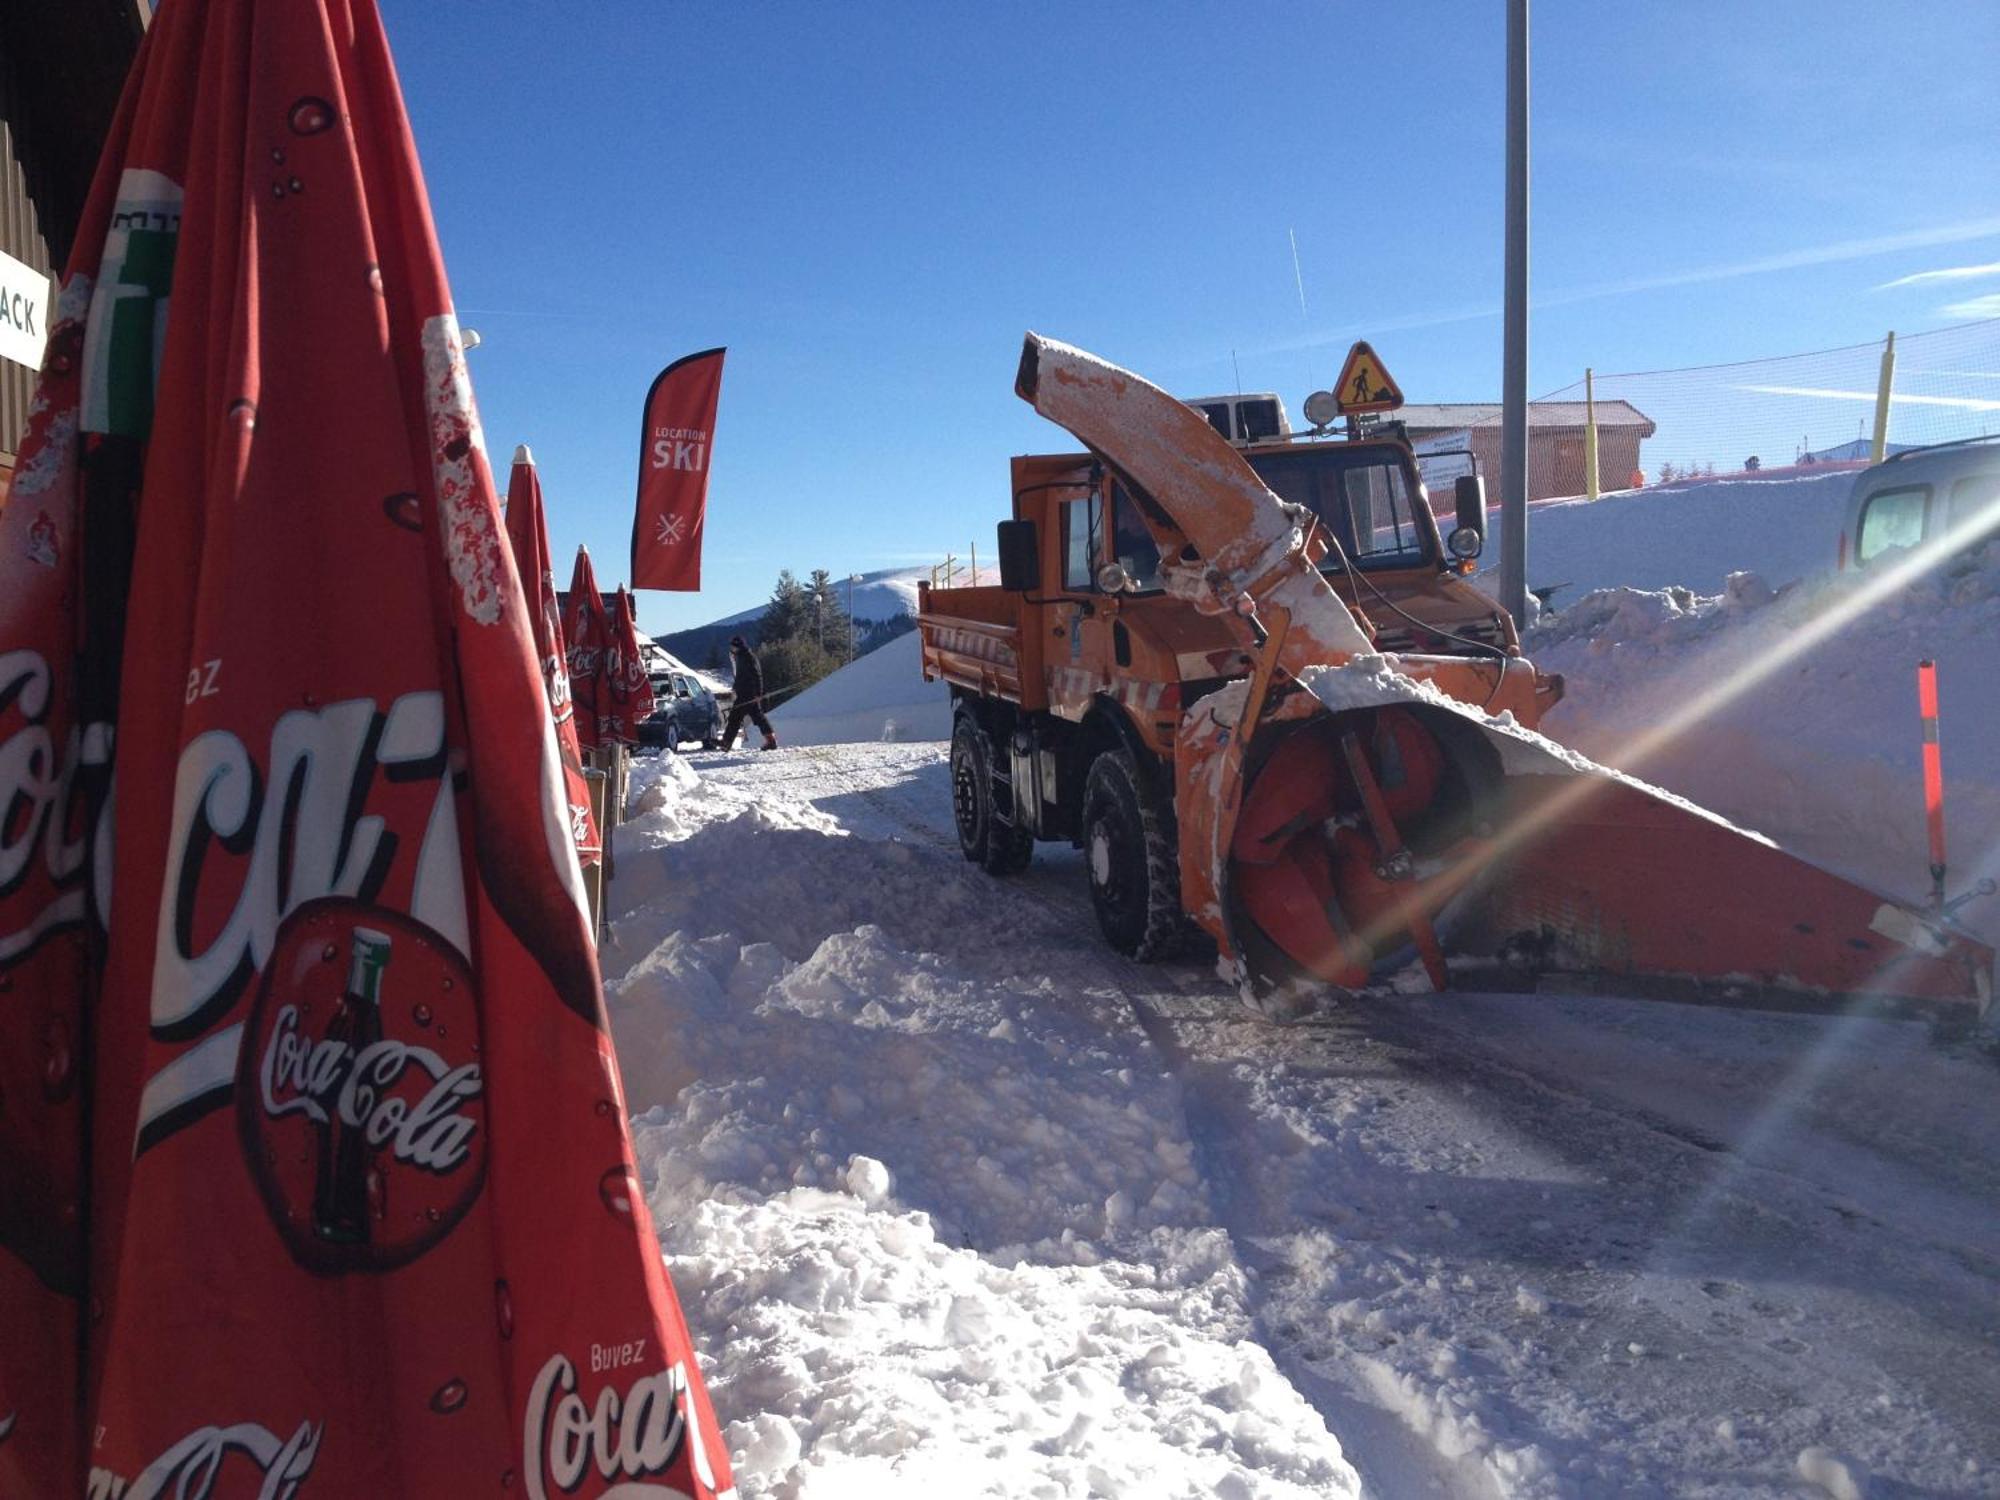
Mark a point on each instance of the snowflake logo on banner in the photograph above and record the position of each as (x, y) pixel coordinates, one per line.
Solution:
(672, 530)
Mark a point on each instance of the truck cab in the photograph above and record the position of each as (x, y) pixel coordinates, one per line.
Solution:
(1381, 548)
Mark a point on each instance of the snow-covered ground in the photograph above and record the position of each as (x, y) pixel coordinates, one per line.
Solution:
(1811, 732)
(880, 696)
(962, 1204)
(1684, 535)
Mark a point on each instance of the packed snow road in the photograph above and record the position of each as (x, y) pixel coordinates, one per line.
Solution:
(961, 1203)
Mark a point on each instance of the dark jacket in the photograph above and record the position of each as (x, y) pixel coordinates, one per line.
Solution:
(749, 674)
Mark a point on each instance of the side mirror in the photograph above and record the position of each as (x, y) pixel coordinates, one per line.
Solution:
(1468, 537)
(1020, 557)
(1113, 579)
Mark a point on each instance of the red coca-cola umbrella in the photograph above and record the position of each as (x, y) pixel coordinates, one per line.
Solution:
(356, 1212)
(630, 690)
(587, 632)
(528, 536)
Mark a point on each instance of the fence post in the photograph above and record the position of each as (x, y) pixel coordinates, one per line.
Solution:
(1589, 436)
(1881, 449)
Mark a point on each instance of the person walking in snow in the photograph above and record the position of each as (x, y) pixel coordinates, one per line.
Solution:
(749, 695)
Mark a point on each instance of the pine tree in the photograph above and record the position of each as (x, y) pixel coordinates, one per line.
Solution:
(787, 612)
(827, 618)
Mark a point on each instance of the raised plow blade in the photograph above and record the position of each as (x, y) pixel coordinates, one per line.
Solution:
(1379, 823)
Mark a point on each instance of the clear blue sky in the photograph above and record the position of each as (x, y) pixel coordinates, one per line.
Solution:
(869, 202)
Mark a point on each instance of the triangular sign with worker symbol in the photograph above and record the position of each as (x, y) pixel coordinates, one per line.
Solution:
(1365, 383)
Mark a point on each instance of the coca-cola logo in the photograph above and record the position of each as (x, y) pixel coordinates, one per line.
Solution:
(219, 1462)
(360, 1093)
(629, 1437)
(43, 818)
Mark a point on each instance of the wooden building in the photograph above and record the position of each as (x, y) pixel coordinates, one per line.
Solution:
(1555, 441)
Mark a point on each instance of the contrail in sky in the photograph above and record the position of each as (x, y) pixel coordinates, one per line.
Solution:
(1788, 260)
(1944, 273)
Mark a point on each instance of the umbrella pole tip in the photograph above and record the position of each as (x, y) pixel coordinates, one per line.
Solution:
(523, 456)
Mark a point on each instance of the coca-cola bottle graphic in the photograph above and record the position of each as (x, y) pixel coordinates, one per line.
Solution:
(341, 1187)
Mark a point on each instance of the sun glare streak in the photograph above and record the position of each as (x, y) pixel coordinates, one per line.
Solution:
(1884, 580)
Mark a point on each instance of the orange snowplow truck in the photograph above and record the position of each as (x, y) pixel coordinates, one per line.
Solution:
(1171, 677)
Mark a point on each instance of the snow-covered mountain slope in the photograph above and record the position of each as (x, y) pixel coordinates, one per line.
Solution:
(880, 696)
(878, 596)
(962, 1204)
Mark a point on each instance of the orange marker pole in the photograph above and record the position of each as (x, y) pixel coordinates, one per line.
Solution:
(1927, 707)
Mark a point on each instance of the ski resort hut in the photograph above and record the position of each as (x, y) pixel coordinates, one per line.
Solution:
(1555, 441)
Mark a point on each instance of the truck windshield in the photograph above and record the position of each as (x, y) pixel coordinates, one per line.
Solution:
(1362, 495)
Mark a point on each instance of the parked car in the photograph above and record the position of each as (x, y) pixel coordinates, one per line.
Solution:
(685, 711)
(1921, 494)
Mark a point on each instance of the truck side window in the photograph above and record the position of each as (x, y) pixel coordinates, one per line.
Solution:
(1891, 518)
(1082, 526)
(1132, 543)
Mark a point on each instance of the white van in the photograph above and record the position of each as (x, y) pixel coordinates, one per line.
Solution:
(1923, 494)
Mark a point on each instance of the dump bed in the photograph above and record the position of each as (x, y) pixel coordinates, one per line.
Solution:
(972, 638)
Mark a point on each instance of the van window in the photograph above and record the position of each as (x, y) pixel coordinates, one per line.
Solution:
(1082, 527)
(1974, 512)
(1892, 518)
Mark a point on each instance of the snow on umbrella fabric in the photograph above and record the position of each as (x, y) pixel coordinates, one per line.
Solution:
(588, 636)
(357, 1212)
(528, 536)
(629, 689)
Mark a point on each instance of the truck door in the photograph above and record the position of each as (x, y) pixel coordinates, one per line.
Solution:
(1078, 658)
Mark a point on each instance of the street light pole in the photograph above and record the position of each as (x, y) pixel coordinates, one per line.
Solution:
(1514, 355)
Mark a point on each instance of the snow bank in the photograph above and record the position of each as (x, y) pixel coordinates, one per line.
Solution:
(1820, 749)
(937, 1226)
(880, 696)
(1690, 536)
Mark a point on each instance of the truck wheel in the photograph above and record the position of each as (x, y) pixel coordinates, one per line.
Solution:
(971, 789)
(1128, 845)
(673, 738)
(996, 846)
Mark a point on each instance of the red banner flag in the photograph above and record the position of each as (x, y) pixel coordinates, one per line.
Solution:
(629, 690)
(673, 473)
(358, 1212)
(587, 637)
(528, 536)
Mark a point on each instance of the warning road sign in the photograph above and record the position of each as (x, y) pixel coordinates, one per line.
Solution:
(1365, 384)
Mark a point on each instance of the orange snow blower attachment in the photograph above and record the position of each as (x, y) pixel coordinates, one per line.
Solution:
(1340, 808)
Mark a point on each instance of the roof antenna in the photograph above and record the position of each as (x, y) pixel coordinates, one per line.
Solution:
(1297, 274)
(1239, 371)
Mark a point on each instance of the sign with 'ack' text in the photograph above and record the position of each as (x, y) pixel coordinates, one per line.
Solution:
(24, 312)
